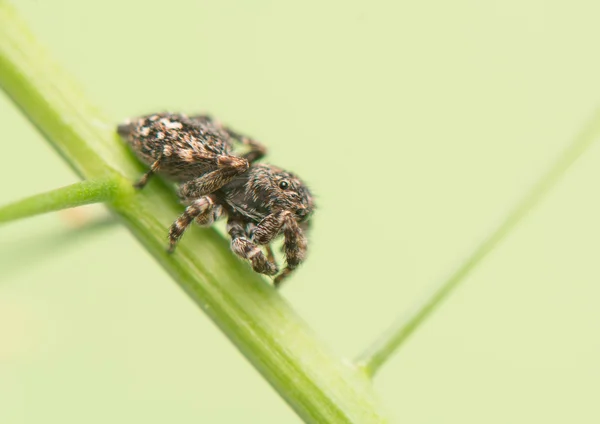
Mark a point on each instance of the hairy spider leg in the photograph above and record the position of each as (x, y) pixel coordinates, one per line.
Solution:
(294, 244)
(227, 168)
(196, 210)
(270, 254)
(257, 150)
(141, 183)
(246, 249)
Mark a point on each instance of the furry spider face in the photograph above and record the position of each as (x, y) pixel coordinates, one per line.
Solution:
(266, 189)
(279, 190)
(283, 190)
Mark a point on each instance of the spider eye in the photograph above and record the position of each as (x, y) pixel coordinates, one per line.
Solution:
(284, 185)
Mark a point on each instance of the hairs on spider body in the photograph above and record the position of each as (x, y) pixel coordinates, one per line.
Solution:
(260, 201)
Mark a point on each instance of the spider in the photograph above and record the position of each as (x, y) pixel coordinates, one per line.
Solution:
(261, 201)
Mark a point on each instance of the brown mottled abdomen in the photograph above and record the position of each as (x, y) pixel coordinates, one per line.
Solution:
(185, 148)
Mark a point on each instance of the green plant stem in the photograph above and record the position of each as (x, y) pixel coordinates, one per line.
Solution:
(78, 194)
(315, 383)
(376, 355)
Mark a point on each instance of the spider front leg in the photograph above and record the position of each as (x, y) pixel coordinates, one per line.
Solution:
(246, 249)
(268, 249)
(200, 209)
(270, 254)
(257, 150)
(294, 245)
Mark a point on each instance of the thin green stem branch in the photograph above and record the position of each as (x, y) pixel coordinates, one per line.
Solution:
(315, 383)
(388, 343)
(78, 194)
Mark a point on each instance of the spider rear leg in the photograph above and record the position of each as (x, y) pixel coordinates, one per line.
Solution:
(246, 249)
(200, 209)
(257, 150)
(154, 168)
(125, 130)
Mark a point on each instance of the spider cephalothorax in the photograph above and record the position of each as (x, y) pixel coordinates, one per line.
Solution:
(266, 189)
(261, 201)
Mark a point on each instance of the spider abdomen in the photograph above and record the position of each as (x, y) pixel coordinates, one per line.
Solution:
(184, 148)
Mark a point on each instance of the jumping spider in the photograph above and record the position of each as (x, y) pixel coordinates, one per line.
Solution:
(260, 201)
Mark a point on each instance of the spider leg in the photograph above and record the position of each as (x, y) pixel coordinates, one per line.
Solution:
(257, 150)
(294, 244)
(141, 183)
(227, 168)
(209, 218)
(282, 276)
(270, 227)
(270, 255)
(246, 249)
(198, 209)
(268, 249)
(195, 192)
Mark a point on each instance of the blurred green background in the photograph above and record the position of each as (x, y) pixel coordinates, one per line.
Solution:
(418, 126)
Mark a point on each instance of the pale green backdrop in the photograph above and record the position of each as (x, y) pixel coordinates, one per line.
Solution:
(418, 125)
